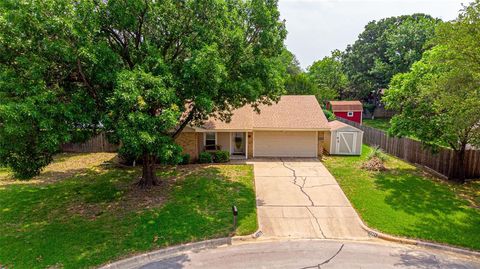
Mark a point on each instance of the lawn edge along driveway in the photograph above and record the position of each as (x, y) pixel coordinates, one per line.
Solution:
(405, 201)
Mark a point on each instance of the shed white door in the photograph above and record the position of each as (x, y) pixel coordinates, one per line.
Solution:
(346, 143)
(284, 144)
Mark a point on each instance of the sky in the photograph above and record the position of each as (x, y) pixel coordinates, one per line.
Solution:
(317, 27)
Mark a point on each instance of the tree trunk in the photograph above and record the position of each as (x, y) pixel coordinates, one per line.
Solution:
(149, 178)
(459, 174)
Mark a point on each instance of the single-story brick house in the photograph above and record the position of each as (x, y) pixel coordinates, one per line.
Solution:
(350, 110)
(293, 127)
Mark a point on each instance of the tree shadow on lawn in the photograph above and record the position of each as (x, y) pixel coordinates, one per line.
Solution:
(439, 214)
(408, 191)
(40, 229)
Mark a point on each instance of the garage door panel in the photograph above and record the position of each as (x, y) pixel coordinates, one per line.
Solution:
(285, 144)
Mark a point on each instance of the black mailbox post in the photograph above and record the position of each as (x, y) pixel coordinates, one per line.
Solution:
(235, 214)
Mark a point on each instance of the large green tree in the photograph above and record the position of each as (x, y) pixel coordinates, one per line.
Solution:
(325, 78)
(385, 48)
(297, 81)
(439, 99)
(141, 69)
(329, 78)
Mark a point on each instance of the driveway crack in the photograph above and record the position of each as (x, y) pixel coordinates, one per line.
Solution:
(302, 186)
(326, 261)
(316, 220)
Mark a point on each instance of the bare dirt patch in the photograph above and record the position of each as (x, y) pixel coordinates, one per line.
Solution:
(64, 165)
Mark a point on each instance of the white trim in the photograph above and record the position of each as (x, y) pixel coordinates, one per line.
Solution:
(205, 138)
(245, 142)
(350, 114)
(316, 150)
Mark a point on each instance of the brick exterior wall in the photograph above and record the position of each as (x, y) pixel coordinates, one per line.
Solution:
(321, 138)
(189, 142)
(250, 145)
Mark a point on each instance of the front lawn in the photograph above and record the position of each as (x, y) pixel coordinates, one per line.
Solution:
(407, 202)
(83, 217)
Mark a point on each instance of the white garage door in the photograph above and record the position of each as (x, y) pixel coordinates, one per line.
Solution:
(285, 144)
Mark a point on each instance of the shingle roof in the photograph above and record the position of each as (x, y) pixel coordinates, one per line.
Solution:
(344, 106)
(291, 112)
(335, 125)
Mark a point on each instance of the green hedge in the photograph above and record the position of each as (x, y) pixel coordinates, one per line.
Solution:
(221, 156)
(205, 157)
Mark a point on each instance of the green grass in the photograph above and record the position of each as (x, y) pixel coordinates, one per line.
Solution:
(406, 202)
(98, 216)
(379, 123)
(4, 171)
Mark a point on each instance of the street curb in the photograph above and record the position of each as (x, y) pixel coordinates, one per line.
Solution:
(142, 259)
(408, 241)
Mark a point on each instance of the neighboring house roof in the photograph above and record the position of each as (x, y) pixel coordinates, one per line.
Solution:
(292, 112)
(345, 106)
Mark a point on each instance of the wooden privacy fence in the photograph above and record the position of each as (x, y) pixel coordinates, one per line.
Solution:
(412, 151)
(98, 143)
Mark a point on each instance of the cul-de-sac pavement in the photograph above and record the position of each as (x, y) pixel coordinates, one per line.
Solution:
(306, 221)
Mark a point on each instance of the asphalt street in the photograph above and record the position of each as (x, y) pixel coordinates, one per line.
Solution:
(296, 254)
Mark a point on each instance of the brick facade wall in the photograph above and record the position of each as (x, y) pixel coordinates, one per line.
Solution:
(250, 145)
(321, 138)
(189, 142)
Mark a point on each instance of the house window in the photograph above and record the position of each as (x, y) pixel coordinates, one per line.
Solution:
(210, 141)
(349, 114)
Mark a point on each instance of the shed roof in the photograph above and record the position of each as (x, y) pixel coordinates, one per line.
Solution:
(335, 125)
(343, 106)
(295, 112)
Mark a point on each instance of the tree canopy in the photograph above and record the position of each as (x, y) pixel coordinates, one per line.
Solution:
(438, 100)
(140, 69)
(329, 78)
(324, 78)
(385, 48)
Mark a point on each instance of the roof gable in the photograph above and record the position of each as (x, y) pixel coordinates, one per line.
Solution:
(294, 112)
(344, 106)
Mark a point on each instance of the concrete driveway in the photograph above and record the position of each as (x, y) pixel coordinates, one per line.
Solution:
(299, 198)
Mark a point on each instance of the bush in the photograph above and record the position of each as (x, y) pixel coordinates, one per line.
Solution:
(205, 157)
(377, 152)
(375, 161)
(329, 114)
(185, 159)
(369, 107)
(221, 156)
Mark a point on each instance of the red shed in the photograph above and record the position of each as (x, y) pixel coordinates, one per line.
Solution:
(350, 110)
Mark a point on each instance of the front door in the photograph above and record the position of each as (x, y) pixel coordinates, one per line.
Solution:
(238, 143)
